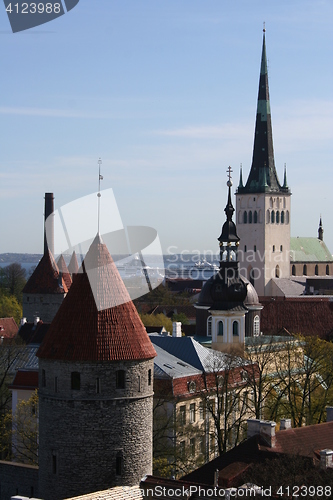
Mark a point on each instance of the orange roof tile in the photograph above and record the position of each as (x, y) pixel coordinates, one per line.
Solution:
(45, 278)
(8, 328)
(64, 270)
(82, 332)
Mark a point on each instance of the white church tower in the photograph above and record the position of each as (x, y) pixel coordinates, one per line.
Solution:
(263, 204)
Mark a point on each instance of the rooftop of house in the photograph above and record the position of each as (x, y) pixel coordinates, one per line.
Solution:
(97, 321)
(167, 366)
(25, 379)
(309, 250)
(8, 328)
(33, 332)
(45, 278)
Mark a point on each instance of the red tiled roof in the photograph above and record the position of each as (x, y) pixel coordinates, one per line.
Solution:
(25, 380)
(64, 270)
(73, 266)
(8, 328)
(45, 278)
(81, 332)
(305, 316)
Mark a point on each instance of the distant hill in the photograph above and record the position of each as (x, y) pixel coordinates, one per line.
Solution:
(20, 258)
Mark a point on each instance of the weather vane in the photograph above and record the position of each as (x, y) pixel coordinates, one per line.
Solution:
(100, 178)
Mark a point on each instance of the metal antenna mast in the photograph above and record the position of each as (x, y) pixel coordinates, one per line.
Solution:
(100, 178)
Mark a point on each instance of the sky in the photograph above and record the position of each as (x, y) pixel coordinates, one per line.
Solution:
(165, 93)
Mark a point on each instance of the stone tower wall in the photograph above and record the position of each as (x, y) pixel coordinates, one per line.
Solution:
(82, 432)
(45, 306)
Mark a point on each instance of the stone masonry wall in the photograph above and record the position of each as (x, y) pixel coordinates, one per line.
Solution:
(45, 306)
(18, 479)
(82, 432)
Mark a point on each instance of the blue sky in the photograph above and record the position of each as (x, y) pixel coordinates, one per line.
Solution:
(165, 93)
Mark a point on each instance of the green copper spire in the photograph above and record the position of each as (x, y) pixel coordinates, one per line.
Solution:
(263, 176)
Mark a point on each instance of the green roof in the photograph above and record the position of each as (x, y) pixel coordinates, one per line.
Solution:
(309, 250)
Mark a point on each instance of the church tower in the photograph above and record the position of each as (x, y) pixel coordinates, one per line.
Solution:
(263, 204)
(96, 387)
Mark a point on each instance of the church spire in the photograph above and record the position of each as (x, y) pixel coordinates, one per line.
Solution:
(263, 166)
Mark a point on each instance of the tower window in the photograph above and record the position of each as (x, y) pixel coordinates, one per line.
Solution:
(98, 385)
(209, 326)
(255, 248)
(244, 248)
(282, 217)
(149, 376)
(75, 381)
(287, 217)
(120, 379)
(256, 326)
(277, 272)
(119, 464)
(245, 217)
(327, 270)
(273, 248)
(235, 329)
(250, 217)
(277, 217)
(304, 270)
(272, 216)
(220, 328)
(281, 248)
(293, 270)
(255, 217)
(316, 269)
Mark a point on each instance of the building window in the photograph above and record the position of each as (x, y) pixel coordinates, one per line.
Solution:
(245, 217)
(287, 217)
(182, 415)
(75, 381)
(250, 217)
(293, 270)
(192, 413)
(202, 411)
(220, 328)
(192, 447)
(268, 217)
(273, 248)
(277, 217)
(119, 464)
(316, 269)
(256, 326)
(43, 378)
(277, 272)
(282, 217)
(255, 217)
(192, 387)
(272, 216)
(235, 329)
(54, 463)
(149, 376)
(209, 326)
(98, 385)
(55, 384)
(120, 379)
(281, 248)
(327, 270)
(255, 248)
(245, 248)
(305, 270)
(182, 450)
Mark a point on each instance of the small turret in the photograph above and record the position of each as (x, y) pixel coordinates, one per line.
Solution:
(320, 230)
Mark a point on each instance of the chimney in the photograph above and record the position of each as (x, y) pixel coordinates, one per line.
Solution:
(49, 209)
(36, 320)
(285, 423)
(329, 414)
(253, 427)
(23, 321)
(326, 459)
(176, 329)
(267, 432)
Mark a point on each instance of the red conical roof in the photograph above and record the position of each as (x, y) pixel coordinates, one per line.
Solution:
(45, 278)
(81, 331)
(73, 266)
(63, 269)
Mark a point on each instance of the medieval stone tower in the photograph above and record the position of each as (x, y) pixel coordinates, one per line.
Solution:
(263, 204)
(96, 387)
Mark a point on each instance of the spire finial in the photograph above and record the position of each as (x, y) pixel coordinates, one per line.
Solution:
(264, 27)
(100, 178)
(229, 183)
